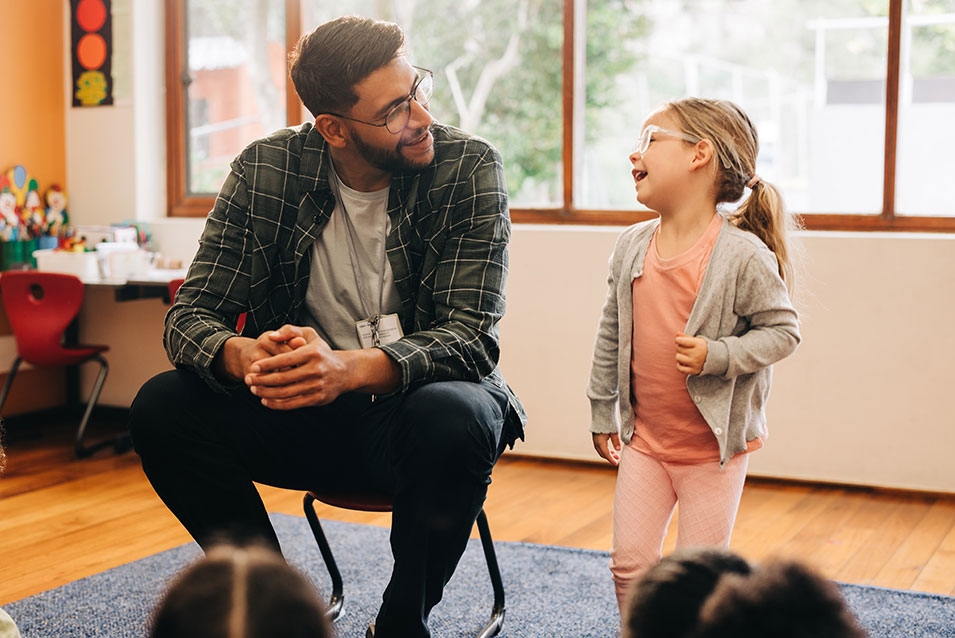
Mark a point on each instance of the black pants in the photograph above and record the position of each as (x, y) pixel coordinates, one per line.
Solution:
(432, 449)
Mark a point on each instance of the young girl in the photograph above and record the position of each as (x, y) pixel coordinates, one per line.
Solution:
(697, 312)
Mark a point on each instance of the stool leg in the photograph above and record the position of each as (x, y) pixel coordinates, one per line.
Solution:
(81, 450)
(336, 604)
(9, 381)
(494, 625)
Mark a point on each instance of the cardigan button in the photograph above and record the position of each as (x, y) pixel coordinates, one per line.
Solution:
(697, 398)
(718, 431)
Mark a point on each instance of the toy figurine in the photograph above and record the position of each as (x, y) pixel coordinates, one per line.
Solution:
(56, 215)
(32, 214)
(9, 219)
(74, 244)
(18, 181)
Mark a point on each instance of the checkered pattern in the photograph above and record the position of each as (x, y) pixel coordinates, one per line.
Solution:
(646, 494)
(447, 249)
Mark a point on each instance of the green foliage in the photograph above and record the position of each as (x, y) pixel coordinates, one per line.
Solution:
(523, 116)
(629, 64)
(613, 26)
(934, 53)
(522, 112)
(524, 119)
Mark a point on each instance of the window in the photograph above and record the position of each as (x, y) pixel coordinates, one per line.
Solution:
(852, 98)
(226, 86)
(926, 109)
(812, 80)
(497, 66)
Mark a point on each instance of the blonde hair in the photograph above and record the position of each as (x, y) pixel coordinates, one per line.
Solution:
(736, 145)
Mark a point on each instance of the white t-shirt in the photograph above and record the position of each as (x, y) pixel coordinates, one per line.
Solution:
(333, 300)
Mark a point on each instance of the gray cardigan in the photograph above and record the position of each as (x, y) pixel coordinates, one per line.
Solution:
(742, 310)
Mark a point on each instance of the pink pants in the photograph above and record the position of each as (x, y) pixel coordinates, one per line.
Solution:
(646, 494)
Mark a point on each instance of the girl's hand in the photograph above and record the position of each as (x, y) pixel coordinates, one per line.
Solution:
(608, 447)
(690, 354)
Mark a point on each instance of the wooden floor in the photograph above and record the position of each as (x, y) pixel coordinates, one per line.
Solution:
(62, 519)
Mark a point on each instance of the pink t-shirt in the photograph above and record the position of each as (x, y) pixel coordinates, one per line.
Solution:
(668, 424)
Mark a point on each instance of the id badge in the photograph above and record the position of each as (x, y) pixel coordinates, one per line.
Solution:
(387, 329)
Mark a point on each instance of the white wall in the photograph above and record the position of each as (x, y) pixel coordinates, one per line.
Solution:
(865, 400)
(115, 160)
(116, 171)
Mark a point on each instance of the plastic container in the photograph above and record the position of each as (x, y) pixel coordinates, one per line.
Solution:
(83, 265)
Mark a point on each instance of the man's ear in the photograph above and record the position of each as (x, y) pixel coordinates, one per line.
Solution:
(703, 154)
(332, 129)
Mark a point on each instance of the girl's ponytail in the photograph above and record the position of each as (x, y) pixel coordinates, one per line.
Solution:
(763, 214)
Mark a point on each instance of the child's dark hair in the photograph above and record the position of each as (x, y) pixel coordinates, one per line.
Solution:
(736, 145)
(240, 592)
(784, 599)
(667, 599)
(3, 452)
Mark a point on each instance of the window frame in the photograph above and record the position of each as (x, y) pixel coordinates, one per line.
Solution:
(180, 204)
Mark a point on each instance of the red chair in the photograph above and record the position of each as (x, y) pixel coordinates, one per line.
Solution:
(174, 288)
(40, 306)
(380, 502)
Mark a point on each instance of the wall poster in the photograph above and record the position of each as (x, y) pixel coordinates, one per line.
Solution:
(91, 51)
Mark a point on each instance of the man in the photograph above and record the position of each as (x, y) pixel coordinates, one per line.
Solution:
(369, 252)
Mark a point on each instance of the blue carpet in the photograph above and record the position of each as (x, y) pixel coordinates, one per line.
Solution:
(551, 591)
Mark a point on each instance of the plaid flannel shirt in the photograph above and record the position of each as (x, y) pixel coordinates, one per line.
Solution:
(447, 248)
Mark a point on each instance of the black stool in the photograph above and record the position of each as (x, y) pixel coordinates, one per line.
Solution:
(375, 502)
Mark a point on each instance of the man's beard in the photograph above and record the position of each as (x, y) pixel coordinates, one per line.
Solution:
(387, 159)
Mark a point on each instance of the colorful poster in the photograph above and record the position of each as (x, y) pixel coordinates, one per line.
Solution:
(92, 50)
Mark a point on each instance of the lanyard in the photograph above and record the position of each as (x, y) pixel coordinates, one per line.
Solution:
(350, 234)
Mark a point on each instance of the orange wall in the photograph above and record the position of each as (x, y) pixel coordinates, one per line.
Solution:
(33, 133)
(32, 103)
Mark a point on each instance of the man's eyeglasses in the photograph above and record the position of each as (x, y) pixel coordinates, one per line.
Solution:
(643, 142)
(397, 118)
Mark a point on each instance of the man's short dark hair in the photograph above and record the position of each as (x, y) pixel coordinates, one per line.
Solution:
(328, 62)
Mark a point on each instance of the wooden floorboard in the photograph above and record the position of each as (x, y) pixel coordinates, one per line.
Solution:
(62, 519)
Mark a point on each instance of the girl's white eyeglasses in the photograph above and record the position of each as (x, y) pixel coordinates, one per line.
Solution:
(643, 142)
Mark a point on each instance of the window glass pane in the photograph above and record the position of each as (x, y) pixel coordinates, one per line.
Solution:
(237, 66)
(497, 71)
(810, 74)
(926, 109)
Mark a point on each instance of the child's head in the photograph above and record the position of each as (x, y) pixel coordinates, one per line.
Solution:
(719, 146)
(3, 452)
(240, 592)
(733, 137)
(784, 599)
(666, 600)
